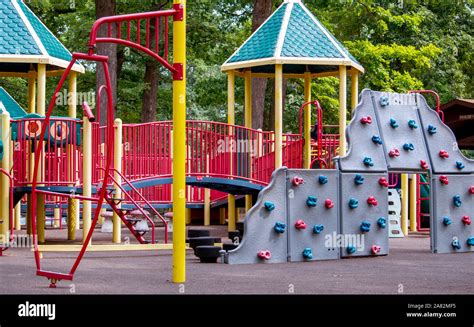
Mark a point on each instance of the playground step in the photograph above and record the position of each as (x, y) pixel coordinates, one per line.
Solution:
(229, 246)
(204, 240)
(208, 253)
(198, 233)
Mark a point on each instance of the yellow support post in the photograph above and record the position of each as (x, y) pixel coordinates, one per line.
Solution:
(207, 199)
(413, 203)
(31, 109)
(18, 216)
(232, 213)
(188, 216)
(117, 222)
(4, 180)
(86, 175)
(342, 109)
(307, 121)
(354, 90)
(248, 123)
(231, 121)
(41, 110)
(179, 150)
(222, 215)
(73, 204)
(405, 201)
(278, 116)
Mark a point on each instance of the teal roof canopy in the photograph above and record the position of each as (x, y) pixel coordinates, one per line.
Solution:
(10, 105)
(25, 40)
(294, 37)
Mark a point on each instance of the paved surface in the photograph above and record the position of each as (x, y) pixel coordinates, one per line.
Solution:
(409, 268)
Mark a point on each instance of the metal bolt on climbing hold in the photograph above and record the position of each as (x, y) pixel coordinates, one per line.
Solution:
(312, 201)
(384, 101)
(460, 165)
(457, 201)
(412, 124)
(470, 241)
(394, 123)
(447, 221)
(297, 181)
(382, 222)
(423, 164)
(317, 229)
(377, 140)
(408, 147)
(466, 220)
(366, 120)
(372, 201)
(432, 130)
(359, 179)
(264, 255)
(308, 253)
(353, 203)
(444, 180)
(365, 227)
(279, 227)
(444, 154)
(329, 204)
(300, 224)
(323, 180)
(270, 206)
(351, 249)
(456, 245)
(375, 249)
(394, 153)
(383, 182)
(368, 162)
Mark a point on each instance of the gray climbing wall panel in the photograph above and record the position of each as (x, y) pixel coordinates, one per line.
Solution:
(439, 137)
(361, 130)
(316, 204)
(259, 226)
(401, 129)
(450, 221)
(364, 214)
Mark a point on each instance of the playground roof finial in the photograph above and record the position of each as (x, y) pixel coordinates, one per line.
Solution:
(294, 37)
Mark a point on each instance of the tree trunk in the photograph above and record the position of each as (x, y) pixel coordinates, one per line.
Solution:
(149, 95)
(106, 8)
(262, 9)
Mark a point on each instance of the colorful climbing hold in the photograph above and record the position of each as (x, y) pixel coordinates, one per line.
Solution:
(377, 139)
(383, 182)
(432, 130)
(279, 227)
(455, 244)
(329, 204)
(444, 179)
(382, 222)
(308, 253)
(470, 241)
(466, 220)
(384, 101)
(375, 249)
(365, 227)
(471, 190)
(297, 181)
(412, 124)
(323, 179)
(394, 123)
(300, 224)
(394, 153)
(423, 164)
(264, 255)
(351, 249)
(270, 206)
(359, 179)
(372, 201)
(444, 154)
(447, 221)
(317, 229)
(366, 120)
(460, 165)
(368, 162)
(408, 147)
(312, 201)
(457, 201)
(353, 203)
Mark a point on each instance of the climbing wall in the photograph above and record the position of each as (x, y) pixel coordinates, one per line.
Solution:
(453, 201)
(313, 211)
(364, 210)
(265, 227)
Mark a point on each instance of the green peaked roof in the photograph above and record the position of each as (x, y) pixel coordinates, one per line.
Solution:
(25, 39)
(10, 105)
(293, 36)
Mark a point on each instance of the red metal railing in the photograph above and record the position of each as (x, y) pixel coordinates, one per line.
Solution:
(10, 206)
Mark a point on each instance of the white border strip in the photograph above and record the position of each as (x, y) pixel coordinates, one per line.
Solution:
(283, 30)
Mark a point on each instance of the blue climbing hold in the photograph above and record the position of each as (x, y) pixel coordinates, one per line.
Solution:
(384, 101)
(312, 201)
(269, 206)
(280, 227)
(393, 123)
(359, 179)
(323, 180)
(408, 147)
(460, 165)
(457, 201)
(351, 249)
(308, 253)
(365, 227)
(368, 162)
(382, 222)
(456, 245)
(432, 130)
(353, 203)
(317, 229)
(377, 140)
(447, 221)
(470, 241)
(412, 124)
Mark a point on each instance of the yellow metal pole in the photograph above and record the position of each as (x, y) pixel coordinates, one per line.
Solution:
(405, 201)
(117, 222)
(248, 124)
(342, 109)
(18, 216)
(307, 121)
(73, 204)
(354, 89)
(222, 215)
(4, 180)
(86, 175)
(278, 116)
(413, 202)
(179, 161)
(207, 199)
(188, 216)
(41, 110)
(231, 121)
(31, 109)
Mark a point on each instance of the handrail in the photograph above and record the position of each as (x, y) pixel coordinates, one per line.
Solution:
(88, 112)
(437, 98)
(10, 218)
(320, 125)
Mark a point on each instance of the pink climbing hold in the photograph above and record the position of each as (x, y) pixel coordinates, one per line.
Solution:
(366, 120)
(471, 190)
(383, 182)
(300, 224)
(423, 164)
(375, 249)
(394, 153)
(329, 204)
(444, 154)
(444, 179)
(466, 220)
(264, 255)
(372, 201)
(297, 181)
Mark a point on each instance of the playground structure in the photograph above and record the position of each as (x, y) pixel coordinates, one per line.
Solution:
(81, 166)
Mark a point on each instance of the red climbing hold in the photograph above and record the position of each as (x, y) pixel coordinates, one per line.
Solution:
(300, 224)
(375, 249)
(466, 220)
(444, 179)
(394, 153)
(471, 190)
(444, 154)
(264, 255)
(329, 204)
(366, 120)
(383, 182)
(297, 181)
(372, 201)
(423, 164)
